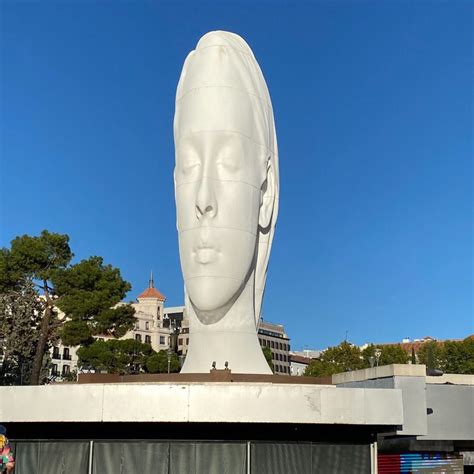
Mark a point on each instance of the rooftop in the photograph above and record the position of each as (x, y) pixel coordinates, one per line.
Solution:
(151, 291)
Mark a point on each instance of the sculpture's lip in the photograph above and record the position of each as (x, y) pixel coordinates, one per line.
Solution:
(204, 246)
(205, 254)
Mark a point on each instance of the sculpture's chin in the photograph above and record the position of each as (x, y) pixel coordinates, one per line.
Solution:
(212, 297)
(212, 316)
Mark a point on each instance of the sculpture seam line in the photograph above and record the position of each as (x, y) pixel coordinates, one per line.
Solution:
(217, 86)
(228, 131)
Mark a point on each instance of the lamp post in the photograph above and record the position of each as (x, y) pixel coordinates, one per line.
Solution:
(377, 353)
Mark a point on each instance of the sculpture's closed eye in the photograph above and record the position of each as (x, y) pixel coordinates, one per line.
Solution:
(229, 162)
(188, 164)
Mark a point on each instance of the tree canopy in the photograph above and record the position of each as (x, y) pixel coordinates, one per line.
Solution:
(459, 356)
(157, 363)
(87, 292)
(20, 311)
(455, 357)
(267, 352)
(126, 356)
(341, 358)
(389, 354)
(449, 356)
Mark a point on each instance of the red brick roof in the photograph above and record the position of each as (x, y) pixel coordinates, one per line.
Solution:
(408, 346)
(300, 359)
(151, 293)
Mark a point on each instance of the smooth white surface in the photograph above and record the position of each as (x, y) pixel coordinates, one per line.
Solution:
(226, 186)
(201, 402)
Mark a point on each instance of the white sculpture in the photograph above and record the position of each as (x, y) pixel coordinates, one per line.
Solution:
(226, 185)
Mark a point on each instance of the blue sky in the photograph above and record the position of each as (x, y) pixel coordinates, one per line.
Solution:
(373, 107)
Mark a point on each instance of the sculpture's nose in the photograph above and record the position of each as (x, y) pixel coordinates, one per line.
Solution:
(206, 204)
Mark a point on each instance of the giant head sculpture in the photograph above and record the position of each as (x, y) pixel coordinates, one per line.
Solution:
(226, 185)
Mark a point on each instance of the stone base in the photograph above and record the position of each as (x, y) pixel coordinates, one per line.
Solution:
(201, 402)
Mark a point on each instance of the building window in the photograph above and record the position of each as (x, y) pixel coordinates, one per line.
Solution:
(162, 340)
(147, 339)
(56, 353)
(137, 325)
(54, 370)
(187, 340)
(147, 325)
(272, 344)
(138, 337)
(66, 355)
(180, 341)
(158, 313)
(66, 370)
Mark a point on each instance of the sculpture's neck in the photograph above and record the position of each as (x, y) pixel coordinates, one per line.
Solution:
(233, 339)
(238, 314)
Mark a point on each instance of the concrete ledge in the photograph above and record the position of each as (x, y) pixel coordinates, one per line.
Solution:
(212, 376)
(201, 402)
(405, 370)
(455, 379)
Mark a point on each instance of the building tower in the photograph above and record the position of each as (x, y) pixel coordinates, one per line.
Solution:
(149, 311)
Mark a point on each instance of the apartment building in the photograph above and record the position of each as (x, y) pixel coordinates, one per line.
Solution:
(274, 336)
(152, 327)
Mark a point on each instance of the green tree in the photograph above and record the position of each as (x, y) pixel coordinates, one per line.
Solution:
(342, 358)
(459, 356)
(87, 292)
(157, 363)
(321, 368)
(390, 354)
(432, 355)
(267, 352)
(36, 259)
(126, 356)
(88, 295)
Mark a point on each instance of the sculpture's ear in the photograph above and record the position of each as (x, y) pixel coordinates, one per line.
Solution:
(267, 197)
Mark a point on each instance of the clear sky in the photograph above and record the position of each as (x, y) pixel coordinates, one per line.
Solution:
(373, 105)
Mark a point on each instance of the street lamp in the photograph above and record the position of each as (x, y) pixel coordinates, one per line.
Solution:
(169, 359)
(377, 353)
